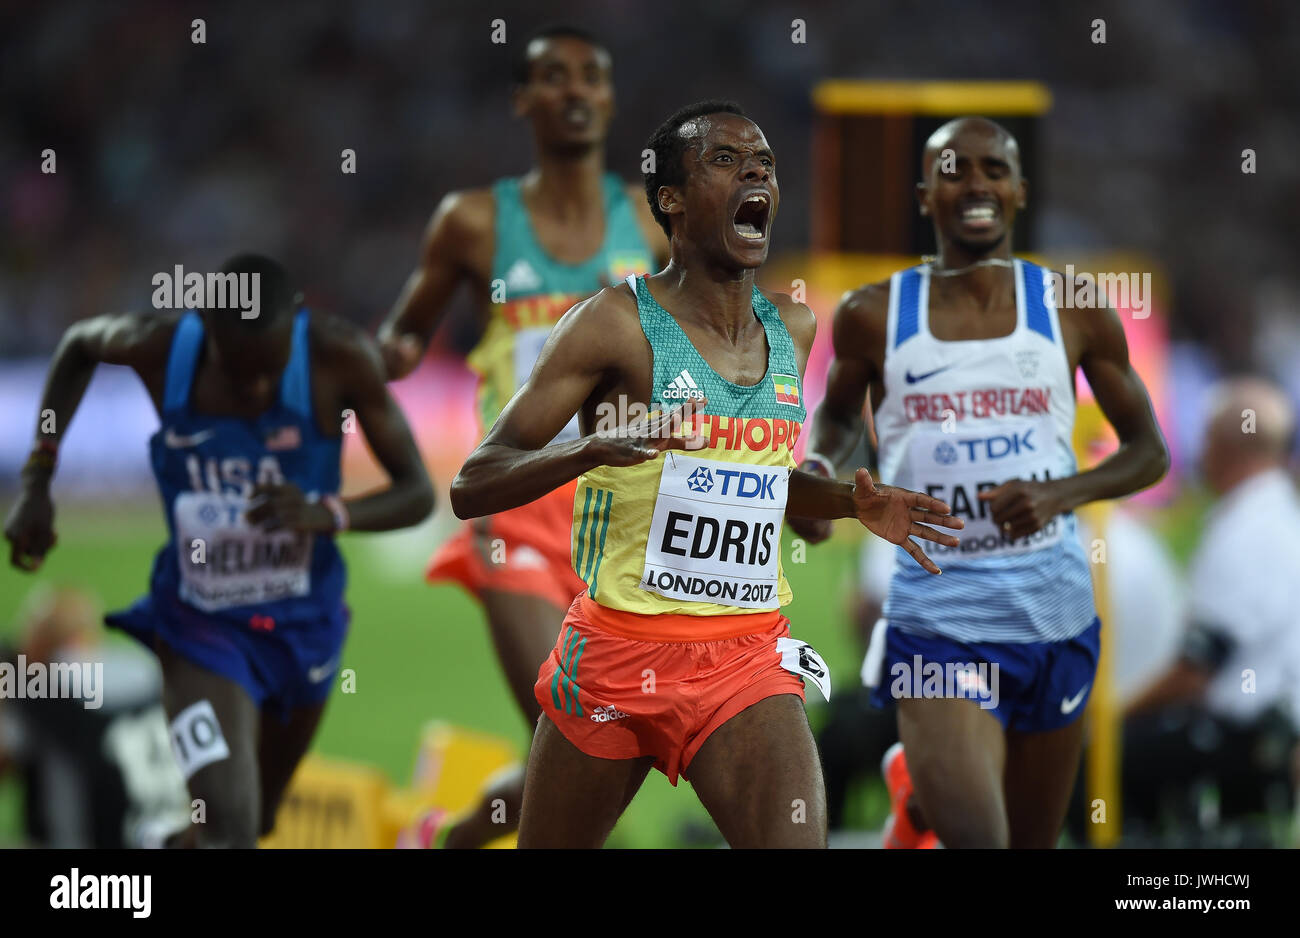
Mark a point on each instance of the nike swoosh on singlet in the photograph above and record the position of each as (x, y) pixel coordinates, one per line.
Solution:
(912, 379)
(174, 441)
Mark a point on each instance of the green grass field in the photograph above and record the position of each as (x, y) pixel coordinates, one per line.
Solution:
(422, 652)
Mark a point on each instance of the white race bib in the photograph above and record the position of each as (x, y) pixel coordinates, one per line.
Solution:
(716, 532)
(197, 739)
(528, 348)
(956, 467)
(225, 562)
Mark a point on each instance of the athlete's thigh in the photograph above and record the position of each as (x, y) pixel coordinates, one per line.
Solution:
(759, 777)
(1040, 775)
(572, 799)
(214, 728)
(283, 744)
(524, 629)
(955, 752)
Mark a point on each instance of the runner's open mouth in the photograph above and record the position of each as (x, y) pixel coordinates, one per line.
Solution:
(751, 218)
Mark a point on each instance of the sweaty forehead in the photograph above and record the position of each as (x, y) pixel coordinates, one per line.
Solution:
(713, 130)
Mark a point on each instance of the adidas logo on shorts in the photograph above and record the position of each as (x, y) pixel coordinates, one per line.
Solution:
(606, 714)
(683, 388)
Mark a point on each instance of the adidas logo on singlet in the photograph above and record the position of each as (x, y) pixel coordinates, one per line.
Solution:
(521, 276)
(683, 388)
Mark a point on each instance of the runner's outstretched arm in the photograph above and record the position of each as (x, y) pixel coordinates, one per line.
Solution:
(141, 341)
(513, 465)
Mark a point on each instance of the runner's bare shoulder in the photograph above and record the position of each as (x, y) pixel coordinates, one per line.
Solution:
(468, 211)
(861, 320)
(344, 348)
(463, 225)
(606, 324)
(798, 317)
(140, 340)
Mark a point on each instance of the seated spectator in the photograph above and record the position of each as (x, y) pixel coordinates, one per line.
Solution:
(1225, 713)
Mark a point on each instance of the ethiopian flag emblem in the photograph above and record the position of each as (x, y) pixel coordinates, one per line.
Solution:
(787, 389)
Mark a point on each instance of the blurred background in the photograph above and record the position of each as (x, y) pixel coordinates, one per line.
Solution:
(170, 152)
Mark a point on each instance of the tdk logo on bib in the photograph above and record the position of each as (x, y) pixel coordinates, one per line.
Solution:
(735, 482)
(986, 449)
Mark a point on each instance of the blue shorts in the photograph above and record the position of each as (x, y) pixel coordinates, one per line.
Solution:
(282, 665)
(1029, 687)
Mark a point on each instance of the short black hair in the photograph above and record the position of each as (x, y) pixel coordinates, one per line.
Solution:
(276, 294)
(521, 67)
(668, 147)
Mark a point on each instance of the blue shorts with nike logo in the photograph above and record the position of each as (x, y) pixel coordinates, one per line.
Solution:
(1029, 687)
(282, 665)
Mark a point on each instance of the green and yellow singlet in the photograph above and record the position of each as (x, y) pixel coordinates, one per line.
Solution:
(697, 532)
(538, 290)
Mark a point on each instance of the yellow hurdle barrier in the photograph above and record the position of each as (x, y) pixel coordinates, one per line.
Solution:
(337, 804)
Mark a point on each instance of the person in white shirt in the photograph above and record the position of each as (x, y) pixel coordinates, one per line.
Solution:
(1227, 710)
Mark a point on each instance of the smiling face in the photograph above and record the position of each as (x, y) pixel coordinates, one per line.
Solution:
(972, 186)
(569, 95)
(730, 197)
